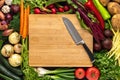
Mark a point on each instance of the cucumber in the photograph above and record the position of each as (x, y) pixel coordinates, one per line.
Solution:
(5, 77)
(8, 73)
(15, 70)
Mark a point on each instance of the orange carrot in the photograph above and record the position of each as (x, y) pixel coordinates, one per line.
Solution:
(25, 26)
(28, 11)
(24, 33)
(21, 16)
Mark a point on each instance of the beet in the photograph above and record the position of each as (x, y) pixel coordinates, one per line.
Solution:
(108, 33)
(107, 44)
(97, 47)
(15, 8)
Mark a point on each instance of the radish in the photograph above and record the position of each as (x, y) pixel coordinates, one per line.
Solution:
(66, 8)
(37, 10)
(61, 9)
(53, 10)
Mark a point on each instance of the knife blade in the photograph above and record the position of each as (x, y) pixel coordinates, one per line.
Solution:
(76, 37)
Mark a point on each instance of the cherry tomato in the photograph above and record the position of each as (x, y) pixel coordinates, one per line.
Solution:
(92, 73)
(79, 73)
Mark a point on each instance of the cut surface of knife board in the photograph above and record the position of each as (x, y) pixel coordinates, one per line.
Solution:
(50, 44)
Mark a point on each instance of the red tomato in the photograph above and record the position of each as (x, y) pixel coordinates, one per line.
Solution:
(79, 73)
(92, 73)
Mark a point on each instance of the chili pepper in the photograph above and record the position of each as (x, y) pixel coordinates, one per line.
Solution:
(90, 5)
(105, 14)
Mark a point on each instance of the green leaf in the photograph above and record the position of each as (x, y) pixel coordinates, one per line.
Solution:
(53, 1)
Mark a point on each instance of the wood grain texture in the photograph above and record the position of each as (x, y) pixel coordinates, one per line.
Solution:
(50, 44)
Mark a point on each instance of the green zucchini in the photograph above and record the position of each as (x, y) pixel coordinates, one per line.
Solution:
(5, 77)
(15, 70)
(8, 73)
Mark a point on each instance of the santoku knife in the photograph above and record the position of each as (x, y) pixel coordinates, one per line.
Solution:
(76, 37)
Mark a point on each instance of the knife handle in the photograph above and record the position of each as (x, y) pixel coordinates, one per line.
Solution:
(89, 52)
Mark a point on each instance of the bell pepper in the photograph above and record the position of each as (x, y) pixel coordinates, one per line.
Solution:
(105, 14)
(92, 8)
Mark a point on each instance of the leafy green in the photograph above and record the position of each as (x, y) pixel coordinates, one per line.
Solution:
(107, 67)
(15, 22)
(53, 1)
(16, 2)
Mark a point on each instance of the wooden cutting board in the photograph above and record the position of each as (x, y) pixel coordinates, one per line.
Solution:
(50, 44)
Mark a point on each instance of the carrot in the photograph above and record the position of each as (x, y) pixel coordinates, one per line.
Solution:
(25, 28)
(28, 11)
(21, 16)
(24, 33)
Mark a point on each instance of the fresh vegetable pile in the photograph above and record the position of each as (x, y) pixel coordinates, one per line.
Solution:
(99, 17)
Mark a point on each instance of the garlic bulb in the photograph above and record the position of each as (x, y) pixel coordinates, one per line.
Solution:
(8, 2)
(5, 9)
(7, 50)
(14, 38)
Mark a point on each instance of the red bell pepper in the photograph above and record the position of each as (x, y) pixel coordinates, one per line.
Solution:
(90, 5)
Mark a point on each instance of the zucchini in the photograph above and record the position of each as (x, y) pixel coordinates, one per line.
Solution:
(8, 73)
(15, 70)
(5, 77)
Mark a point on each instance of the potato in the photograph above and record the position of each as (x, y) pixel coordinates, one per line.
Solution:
(116, 1)
(113, 8)
(104, 2)
(115, 21)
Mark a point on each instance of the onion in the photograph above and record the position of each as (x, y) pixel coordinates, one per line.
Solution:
(14, 38)
(15, 60)
(7, 32)
(18, 48)
(7, 50)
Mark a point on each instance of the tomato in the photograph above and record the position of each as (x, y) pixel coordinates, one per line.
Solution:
(79, 73)
(92, 73)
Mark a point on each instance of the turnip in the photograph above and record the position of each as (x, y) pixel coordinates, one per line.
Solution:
(7, 50)
(15, 60)
(14, 38)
